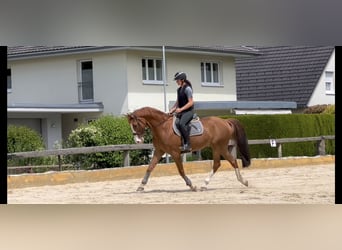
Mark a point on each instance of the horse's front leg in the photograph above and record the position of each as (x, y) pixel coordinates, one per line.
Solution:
(179, 163)
(155, 159)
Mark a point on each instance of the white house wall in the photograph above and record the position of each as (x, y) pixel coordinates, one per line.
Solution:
(53, 81)
(46, 80)
(49, 125)
(117, 81)
(319, 95)
(140, 94)
(110, 81)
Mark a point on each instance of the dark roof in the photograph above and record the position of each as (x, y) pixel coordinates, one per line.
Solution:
(16, 50)
(37, 51)
(232, 50)
(281, 73)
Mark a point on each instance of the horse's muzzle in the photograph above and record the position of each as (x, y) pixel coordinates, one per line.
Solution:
(138, 139)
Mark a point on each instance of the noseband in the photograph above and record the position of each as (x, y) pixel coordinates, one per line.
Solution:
(143, 123)
(139, 125)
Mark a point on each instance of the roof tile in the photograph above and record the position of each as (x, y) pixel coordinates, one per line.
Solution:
(288, 73)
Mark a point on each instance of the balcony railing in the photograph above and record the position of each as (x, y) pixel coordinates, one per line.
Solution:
(85, 92)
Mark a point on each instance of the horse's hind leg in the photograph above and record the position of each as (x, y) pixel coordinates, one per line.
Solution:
(216, 165)
(155, 159)
(232, 160)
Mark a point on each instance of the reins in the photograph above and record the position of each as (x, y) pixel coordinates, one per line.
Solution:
(163, 121)
(143, 122)
(149, 125)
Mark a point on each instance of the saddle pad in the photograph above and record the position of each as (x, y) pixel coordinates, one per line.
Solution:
(195, 124)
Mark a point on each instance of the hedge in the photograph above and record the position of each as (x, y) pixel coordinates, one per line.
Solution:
(286, 126)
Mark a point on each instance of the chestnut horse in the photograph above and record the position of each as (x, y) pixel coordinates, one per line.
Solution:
(216, 134)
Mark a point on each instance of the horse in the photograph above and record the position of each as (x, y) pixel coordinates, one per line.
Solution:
(217, 132)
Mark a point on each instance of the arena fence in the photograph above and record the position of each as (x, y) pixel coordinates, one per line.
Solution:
(126, 148)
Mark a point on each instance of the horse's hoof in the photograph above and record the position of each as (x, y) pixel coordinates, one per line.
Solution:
(245, 183)
(139, 189)
(204, 189)
(194, 188)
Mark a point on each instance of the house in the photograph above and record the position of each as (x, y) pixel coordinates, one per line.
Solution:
(54, 89)
(301, 74)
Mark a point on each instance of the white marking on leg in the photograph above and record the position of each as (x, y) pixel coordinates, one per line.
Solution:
(207, 180)
(239, 177)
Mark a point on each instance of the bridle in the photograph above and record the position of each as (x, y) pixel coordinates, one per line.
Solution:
(138, 120)
(145, 123)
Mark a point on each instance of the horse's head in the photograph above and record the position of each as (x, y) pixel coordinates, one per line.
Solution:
(138, 126)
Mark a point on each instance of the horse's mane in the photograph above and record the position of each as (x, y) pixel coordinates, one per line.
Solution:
(153, 113)
(149, 111)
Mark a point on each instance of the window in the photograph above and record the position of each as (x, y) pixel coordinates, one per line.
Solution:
(329, 82)
(85, 81)
(152, 71)
(9, 80)
(90, 120)
(210, 74)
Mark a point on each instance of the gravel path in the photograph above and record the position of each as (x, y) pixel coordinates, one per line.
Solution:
(292, 185)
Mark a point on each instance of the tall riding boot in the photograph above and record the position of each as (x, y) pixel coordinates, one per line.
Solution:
(180, 130)
(186, 147)
(188, 127)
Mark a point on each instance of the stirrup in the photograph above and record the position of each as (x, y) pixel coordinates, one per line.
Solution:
(185, 148)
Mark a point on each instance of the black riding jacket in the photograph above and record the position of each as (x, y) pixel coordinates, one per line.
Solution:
(182, 98)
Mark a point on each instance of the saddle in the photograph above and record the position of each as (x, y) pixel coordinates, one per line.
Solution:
(195, 125)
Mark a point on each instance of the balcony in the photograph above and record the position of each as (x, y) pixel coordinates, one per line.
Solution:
(85, 92)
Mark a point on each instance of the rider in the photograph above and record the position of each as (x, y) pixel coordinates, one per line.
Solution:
(184, 108)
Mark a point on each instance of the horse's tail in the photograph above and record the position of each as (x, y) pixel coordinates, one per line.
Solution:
(242, 142)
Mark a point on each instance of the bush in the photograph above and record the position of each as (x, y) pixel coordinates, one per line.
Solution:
(23, 139)
(107, 130)
(83, 136)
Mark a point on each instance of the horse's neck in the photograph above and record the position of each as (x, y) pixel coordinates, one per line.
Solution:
(158, 122)
(154, 119)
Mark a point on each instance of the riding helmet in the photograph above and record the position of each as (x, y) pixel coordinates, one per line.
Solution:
(180, 76)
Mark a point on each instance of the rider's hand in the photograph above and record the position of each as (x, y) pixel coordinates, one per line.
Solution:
(178, 110)
(172, 111)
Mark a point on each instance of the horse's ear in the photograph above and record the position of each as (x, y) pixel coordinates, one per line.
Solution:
(130, 115)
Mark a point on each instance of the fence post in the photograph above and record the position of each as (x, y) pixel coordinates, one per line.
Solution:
(321, 146)
(184, 157)
(126, 158)
(232, 148)
(59, 162)
(280, 153)
(199, 155)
